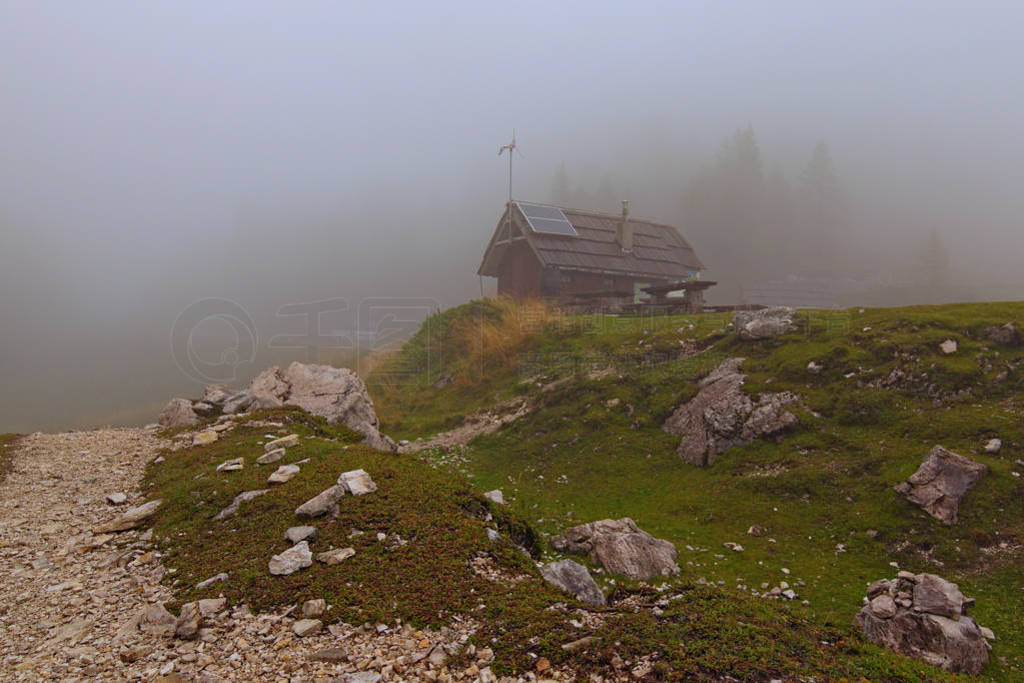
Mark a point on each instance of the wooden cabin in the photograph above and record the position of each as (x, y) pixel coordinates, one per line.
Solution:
(576, 257)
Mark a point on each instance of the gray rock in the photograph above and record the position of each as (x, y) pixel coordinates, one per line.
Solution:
(334, 393)
(941, 482)
(187, 625)
(270, 457)
(203, 408)
(205, 438)
(178, 413)
(764, 324)
(721, 415)
(336, 556)
(331, 654)
(283, 474)
(215, 394)
(232, 509)
(993, 446)
(232, 465)
(223, 576)
(357, 482)
(362, 677)
(211, 606)
(322, 503)
(314, 608)
(948, 347)
(300, 533)
(239, 402)
(574, 578)
(307, 627)
(117, 498)
(621, 547)
(1003, 334)
(292, 560)
(956, 646)
(155, 620)
(933, 626)
(883, 606)
(281, 443)
(495, 496)
(131, 519)
(935, 595)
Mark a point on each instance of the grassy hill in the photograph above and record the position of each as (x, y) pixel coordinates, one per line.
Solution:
(592, 446)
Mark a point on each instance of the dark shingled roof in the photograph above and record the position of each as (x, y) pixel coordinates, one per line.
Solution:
(658, 250)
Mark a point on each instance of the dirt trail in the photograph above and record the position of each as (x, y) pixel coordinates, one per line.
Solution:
(64, 592)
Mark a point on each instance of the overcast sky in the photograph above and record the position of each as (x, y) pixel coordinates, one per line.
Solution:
(155, 154)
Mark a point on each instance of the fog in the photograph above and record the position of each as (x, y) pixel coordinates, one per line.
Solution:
(156, 155)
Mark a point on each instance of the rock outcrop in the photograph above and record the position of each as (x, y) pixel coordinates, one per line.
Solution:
(299, 556)
(1003, 334)
(941, 482)
(333, 393)
(764, 324)
(721, 415)
(925, 617)
(178, 413)
(621, 547)
(574, 578)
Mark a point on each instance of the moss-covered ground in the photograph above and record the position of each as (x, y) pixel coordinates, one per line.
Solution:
(593, 448)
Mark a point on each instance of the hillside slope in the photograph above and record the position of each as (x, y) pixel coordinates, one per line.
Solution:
(880, 394)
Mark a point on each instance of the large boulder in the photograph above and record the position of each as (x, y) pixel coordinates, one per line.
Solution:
(721, 416)
(764, 324)
(621, 547)
(574, 578)
(337, 394)
(941, 482)
(178, 413)
(925, 617)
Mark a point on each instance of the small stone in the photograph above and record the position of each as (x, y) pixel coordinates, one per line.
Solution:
(283, 474)
(789, 594)
(292, 560)
(987, 633)
(232, 465)
(322, 503)
(495, 496)
(949, 346)
(542, 665)
(117, 498)
(357, 482)
(993, 446)
(232, 509)
(331, 654)
(132, 518)
(883, 606)
(204, 438)
(814, 368)
(187, 626)
(307, 627)
(271, 457)
(223, 576)
(337, 556)
(314, 608)
(283, 442)
(211, 606)
(300, 533)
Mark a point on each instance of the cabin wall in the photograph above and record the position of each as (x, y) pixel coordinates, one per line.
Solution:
(520, 272)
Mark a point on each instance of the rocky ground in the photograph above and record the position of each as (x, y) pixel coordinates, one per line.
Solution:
(71, 599)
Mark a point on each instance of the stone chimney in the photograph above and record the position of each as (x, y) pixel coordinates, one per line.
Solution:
(625, 234)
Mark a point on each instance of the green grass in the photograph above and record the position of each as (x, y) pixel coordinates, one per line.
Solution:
(580, 456)
(430, 579)
(7, 444)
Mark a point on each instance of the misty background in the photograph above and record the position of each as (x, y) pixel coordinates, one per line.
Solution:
(155, 155)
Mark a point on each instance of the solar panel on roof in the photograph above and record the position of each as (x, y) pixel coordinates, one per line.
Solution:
(547, 219)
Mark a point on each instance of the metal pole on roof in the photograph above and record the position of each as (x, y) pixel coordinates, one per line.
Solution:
(510, 147)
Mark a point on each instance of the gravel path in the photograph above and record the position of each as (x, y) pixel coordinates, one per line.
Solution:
(70, 599)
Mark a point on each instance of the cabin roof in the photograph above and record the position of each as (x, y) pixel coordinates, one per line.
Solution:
(659, 251)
